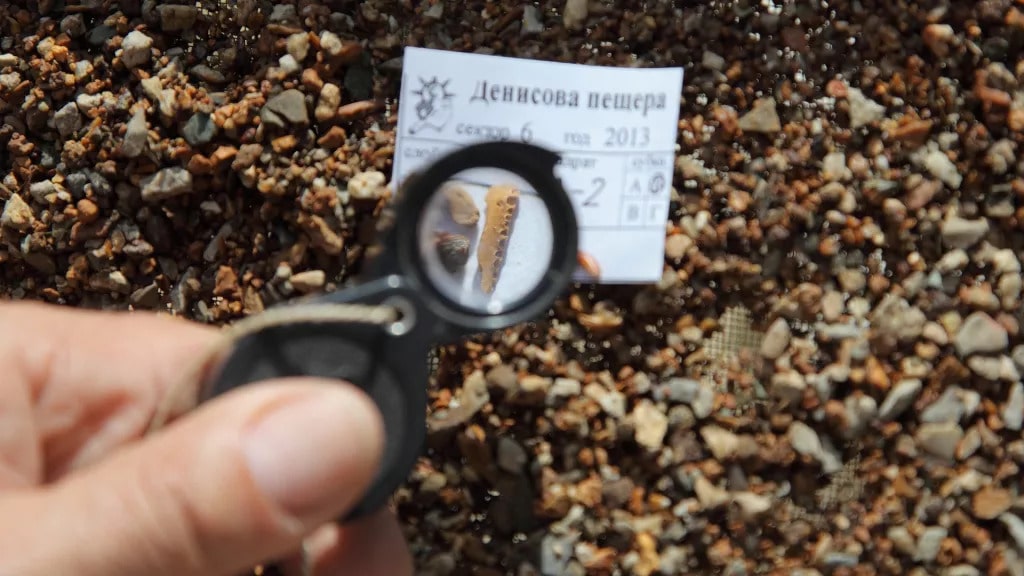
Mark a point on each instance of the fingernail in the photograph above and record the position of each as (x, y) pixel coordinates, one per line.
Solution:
(315, 456)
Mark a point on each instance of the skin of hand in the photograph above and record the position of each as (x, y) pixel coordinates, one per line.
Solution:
(240, 480)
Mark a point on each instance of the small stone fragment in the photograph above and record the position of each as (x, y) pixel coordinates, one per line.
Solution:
(762, 118)
(177, 18)
(333, 139)
(511, 456)
(941, 167)
(651, 425)
(940, 439)
(1015, 526)
(928, 544)
(329, 102)
(938, 38)
(147, 297)
(722, 443)
(67, 120)
(331, 44)
(863, 110)
(677, 245)
(166, 184)
(136, 135)
(989, 502)
(709, 495)
(532, 20)
(950, 406)
(1013, 411)
(17, 214)
(575, 13)
(288, 107)
(135, 49)
(199, 129)
(298, 46)
(776, 339)
(368, 185)
(900, 397)
(960, 233)
(979, 333)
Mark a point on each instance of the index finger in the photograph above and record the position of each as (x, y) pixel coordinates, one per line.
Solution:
(78, 383)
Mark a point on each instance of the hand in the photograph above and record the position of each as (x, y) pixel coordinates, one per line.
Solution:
(240, 481)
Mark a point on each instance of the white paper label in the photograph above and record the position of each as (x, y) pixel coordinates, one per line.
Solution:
(615, 129)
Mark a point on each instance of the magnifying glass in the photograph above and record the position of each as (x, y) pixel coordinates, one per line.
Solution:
(482, 239)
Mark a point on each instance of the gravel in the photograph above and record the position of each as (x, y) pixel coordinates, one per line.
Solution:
(827, 379)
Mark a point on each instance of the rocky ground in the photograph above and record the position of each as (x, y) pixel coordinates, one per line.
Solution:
(827, 380)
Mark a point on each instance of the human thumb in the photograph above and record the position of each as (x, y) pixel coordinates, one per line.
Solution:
(238, 482)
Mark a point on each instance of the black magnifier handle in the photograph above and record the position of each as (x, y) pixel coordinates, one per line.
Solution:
(377, 334)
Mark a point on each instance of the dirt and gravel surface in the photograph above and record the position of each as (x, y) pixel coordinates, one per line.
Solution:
(827, 379)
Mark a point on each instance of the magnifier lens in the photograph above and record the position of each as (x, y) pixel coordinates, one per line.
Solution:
(486, 240)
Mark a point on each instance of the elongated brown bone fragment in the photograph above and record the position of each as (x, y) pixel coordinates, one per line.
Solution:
(461, 206)
(502, 201)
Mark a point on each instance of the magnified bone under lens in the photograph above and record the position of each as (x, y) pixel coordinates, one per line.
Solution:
(486, 240)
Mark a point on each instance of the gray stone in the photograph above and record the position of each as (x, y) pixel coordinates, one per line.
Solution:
(177, 17)
(900, 397)
(199, 129)
(565, 388)
(1013, 411)
(722, 443)
(776, 339)
(804, 440)
(902, 540)
(941, 167)
(100, 34)
(650, 425)
(331, 44)
(166, 183)
(533, 20)
(712, 61)
(928, 544)
(136, 136)
(612, 402)
(863, 110)
(961, 233)
(67, 120)
(988, 367)
(1018, 357)
(510, 455)
(284, 14)
(897, 318)
(940, 439)
(556, 551)
(575, 13)
(288, 107)
(17, 214)
(979, 333)
(43, 191)
(961, 570)
(147, 297)
(833, 167)
(135, 49)
(73, 25)
(298, 46)
(762, 118)
(1015, 526)
(949, 407)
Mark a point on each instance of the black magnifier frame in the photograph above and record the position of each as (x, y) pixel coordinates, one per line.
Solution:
(533, 164)
(389, 362)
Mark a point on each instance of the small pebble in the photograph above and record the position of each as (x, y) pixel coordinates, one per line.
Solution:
(135, 49)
